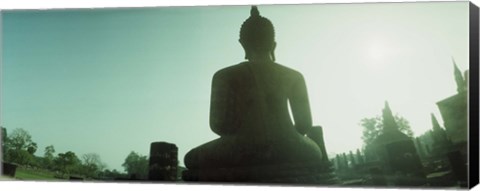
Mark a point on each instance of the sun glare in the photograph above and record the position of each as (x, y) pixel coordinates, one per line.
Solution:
(377, 52)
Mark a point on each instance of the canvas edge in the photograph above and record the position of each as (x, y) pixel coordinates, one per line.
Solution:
(474, 136)
(474, 97)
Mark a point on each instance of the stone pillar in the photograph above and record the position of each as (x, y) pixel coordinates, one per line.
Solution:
(352, 159)
(345, 161)
(8, 169)
(338, 162)
(163, 162)
(335, 163)
(360, 158)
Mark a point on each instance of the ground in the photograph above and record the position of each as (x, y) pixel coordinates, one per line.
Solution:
(30, 174)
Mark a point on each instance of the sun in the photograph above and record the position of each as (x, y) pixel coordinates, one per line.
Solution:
(377, 52)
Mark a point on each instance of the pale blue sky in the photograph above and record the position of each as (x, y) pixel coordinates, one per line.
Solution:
(111, 81)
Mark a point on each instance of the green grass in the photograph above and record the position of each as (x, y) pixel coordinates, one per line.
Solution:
(27, 174)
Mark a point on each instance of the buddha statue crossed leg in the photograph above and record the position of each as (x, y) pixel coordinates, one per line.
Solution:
(249, 110)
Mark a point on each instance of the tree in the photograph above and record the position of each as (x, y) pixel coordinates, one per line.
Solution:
(92, 164)
(49, 150)
(67, 162)
(20, 139)
(372, 128)
(32, 148)
(20, 157)
(136, 164)
(21, 147)
(48, 157)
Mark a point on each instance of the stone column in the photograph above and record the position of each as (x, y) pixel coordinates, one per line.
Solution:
(163, 162)
(8, 169)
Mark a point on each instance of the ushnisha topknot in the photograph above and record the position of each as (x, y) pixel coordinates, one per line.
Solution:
(254, 12)
(257, 32)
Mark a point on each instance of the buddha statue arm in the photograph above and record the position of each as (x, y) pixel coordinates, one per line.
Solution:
(220, 112)
(300, 106)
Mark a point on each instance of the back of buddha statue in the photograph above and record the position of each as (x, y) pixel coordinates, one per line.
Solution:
(252, 97)
(249, 109)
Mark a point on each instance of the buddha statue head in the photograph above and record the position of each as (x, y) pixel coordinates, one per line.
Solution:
(257, 37)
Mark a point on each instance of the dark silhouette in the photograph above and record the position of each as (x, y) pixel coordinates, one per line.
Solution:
(249, 110)
(163, 163)
(8, 169)
(401, 163)
(454, 112)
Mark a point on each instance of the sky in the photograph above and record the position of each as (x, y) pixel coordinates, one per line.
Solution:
(111, 81)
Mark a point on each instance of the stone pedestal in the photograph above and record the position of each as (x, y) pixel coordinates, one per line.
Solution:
(320, 173)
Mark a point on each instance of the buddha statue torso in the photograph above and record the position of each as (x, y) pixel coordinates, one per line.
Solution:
(250, 111)
(252, 98)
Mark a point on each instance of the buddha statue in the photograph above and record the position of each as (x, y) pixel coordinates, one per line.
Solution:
(249, 110)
